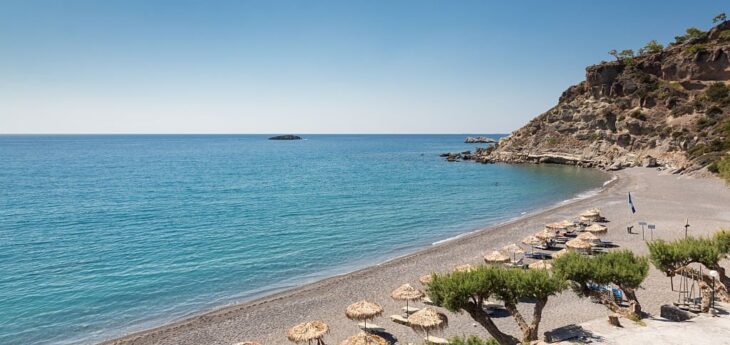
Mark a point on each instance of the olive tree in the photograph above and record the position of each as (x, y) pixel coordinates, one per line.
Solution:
(651, 47)
(621, 268)
(467, 292)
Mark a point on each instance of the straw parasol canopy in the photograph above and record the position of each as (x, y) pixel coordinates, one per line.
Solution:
(496, 257)
(560, 253)
(546, 234)
(513, 249)
(597, 228)
(588, 237)
(363, 338)
(308, 331)
(577, 244)
(407, 293)
(465, 268)
(594, 212)
(427, 319)
(532, 240)
(542, 264)
(564, 224)
(425, 279)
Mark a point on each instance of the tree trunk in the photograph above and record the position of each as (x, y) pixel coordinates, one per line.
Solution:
(634, 305)
(608, 300)
(529, 331)
(482, 317)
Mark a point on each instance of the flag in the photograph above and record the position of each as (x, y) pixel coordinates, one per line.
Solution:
(631, 204)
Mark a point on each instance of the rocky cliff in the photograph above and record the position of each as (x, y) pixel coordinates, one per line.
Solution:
(668, 107)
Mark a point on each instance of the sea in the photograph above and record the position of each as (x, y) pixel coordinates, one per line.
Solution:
(102, 235)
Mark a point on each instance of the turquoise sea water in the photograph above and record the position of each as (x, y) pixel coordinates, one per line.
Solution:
(102, 235)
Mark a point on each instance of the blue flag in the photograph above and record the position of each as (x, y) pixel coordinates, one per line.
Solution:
(631, 204)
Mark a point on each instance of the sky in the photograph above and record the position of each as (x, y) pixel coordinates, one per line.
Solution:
(309, 67)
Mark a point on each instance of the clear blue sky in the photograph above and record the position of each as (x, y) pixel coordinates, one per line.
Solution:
(309, 66)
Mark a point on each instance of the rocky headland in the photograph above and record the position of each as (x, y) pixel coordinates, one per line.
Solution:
(665, 107)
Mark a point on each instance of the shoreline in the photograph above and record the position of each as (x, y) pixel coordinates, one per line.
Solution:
(277, 294)
(660, 198)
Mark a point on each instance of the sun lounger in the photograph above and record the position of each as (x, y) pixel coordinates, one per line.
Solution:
(427, 300)
(371, 327)
(410, 310)
(399, 319)
(435, 340)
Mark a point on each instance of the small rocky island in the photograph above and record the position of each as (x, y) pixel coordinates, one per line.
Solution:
(481, 140)
(286, 137)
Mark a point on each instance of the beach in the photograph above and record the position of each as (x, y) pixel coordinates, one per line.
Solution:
(662, 199)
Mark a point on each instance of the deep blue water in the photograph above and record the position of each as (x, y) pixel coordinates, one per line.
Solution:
(101, 235)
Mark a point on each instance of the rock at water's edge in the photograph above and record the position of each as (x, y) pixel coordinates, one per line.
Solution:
(286, 137)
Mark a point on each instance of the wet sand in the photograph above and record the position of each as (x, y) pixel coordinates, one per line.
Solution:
(661, 199)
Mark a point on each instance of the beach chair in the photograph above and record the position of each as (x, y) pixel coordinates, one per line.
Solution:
(371, 328)
(409, 310)
(435, 340)
(427, 300)
(399, 319)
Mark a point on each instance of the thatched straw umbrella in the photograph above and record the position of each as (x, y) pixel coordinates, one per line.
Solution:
(588, 237)
(546, 234)
(496, 257)
(465, 268)
(564, 224)
(542, 264)
(578, 244)
(363, 311)
(560, 253)
(532, 241)
(597, 228)
(425, 279)
(363, 338)
(308, 331)
(407, 293)
(427, 319)
(513, 249)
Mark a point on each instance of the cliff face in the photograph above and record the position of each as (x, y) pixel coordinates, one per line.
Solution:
(655, 109)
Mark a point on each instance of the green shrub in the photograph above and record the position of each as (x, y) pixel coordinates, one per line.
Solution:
(651, 47)
(472, 340)
(717, 92)
(694, 48)
(723, 168)
(725, 35)
(638, 114)
(691, 33)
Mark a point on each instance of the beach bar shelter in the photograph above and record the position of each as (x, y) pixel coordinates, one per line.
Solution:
(496, 257)
(407, 293)
(363, 338)
(308, 331)
(513, 250)
(596, 229)
(363, 311)
(427, 320)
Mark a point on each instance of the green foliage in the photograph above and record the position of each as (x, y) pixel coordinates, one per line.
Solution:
(624, 55)
(724, 35)
(717, 92)
(621, 268)
(456, 290)
(472, 340)
(722, 167)
(694, 48)
(722, 241)
(669, 256)
(719, 18)
(691, 33)
(651, 47)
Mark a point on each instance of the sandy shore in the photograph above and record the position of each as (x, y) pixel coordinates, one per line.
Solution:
(664, 200)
